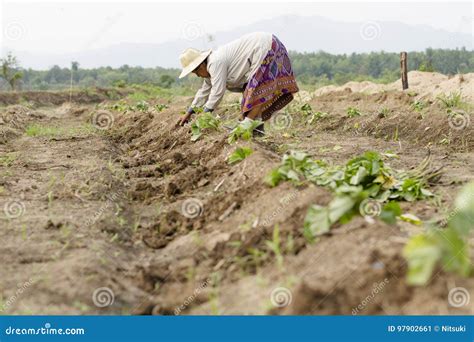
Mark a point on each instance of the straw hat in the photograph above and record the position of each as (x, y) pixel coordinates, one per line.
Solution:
(190, 60)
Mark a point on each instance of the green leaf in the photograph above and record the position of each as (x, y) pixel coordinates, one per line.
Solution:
(410, 218)
(239, 154)
(244, 130)
(205, 121)
(462, 217)
(422, 253)
(456, 252)
(274, 178)
(339, 207)
(390, 212)
(317, 220)
(359, 176)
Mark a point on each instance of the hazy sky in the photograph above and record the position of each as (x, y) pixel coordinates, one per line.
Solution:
(74, 26)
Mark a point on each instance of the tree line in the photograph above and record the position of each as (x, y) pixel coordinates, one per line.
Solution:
(315, 68)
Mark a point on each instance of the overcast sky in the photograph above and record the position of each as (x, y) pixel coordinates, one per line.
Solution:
(71, 27)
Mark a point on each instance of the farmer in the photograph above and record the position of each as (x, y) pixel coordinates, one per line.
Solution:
(256, 65)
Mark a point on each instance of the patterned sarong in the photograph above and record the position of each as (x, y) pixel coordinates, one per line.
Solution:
(273, 84)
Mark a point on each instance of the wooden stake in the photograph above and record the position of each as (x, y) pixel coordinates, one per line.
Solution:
(404, 70)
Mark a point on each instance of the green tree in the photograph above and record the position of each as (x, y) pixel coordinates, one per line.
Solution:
(10, 70)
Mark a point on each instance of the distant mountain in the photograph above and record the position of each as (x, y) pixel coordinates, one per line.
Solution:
(297, 32)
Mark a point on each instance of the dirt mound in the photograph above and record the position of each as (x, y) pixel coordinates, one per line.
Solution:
(45, 98)
(13, 120)
(393, 116)
(425, 84)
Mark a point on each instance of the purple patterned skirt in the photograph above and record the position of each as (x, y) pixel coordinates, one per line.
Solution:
(273, 84)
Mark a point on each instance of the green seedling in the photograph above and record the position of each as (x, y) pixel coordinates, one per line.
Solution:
(450, 101)
(353, 112)
(244, 130)
(160, 107)
(314, 117)
(418, 106)
(384, 112)
(306, 109)
(239, 154)
(363, 178)
(205, 121)
(274, 246)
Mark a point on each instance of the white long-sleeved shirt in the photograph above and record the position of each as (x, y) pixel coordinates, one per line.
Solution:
(231, 66)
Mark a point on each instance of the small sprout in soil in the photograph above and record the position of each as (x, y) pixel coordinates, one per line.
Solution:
(206, 121)
(142, 106)
(244, 130)
(452, 100)
(445, 141)
(384, 112)
(274, 246)
(418, 105)
(306, 109)
(353, 112)
(160, 107)
(316, 117)
(239, 154)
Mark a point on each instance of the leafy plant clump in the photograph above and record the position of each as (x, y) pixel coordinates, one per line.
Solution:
(314, 117)
(306, 109)
(205, 121)
(364, 181)
(418, 106)
(142, 106)
(384, 112)
(353, 112)
(244, 130)
(239, 154)
(452, 100)
(160, 107)
(448, 247)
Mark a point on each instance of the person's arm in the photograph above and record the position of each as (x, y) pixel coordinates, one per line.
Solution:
(199, 100)
(202, 94)
(218, 73)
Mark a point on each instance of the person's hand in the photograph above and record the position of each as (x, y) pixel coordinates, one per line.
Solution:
(184, 119)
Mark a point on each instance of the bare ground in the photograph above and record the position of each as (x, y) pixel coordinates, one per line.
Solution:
(104, 209)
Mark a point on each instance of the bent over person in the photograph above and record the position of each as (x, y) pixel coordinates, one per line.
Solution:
(256, 64)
